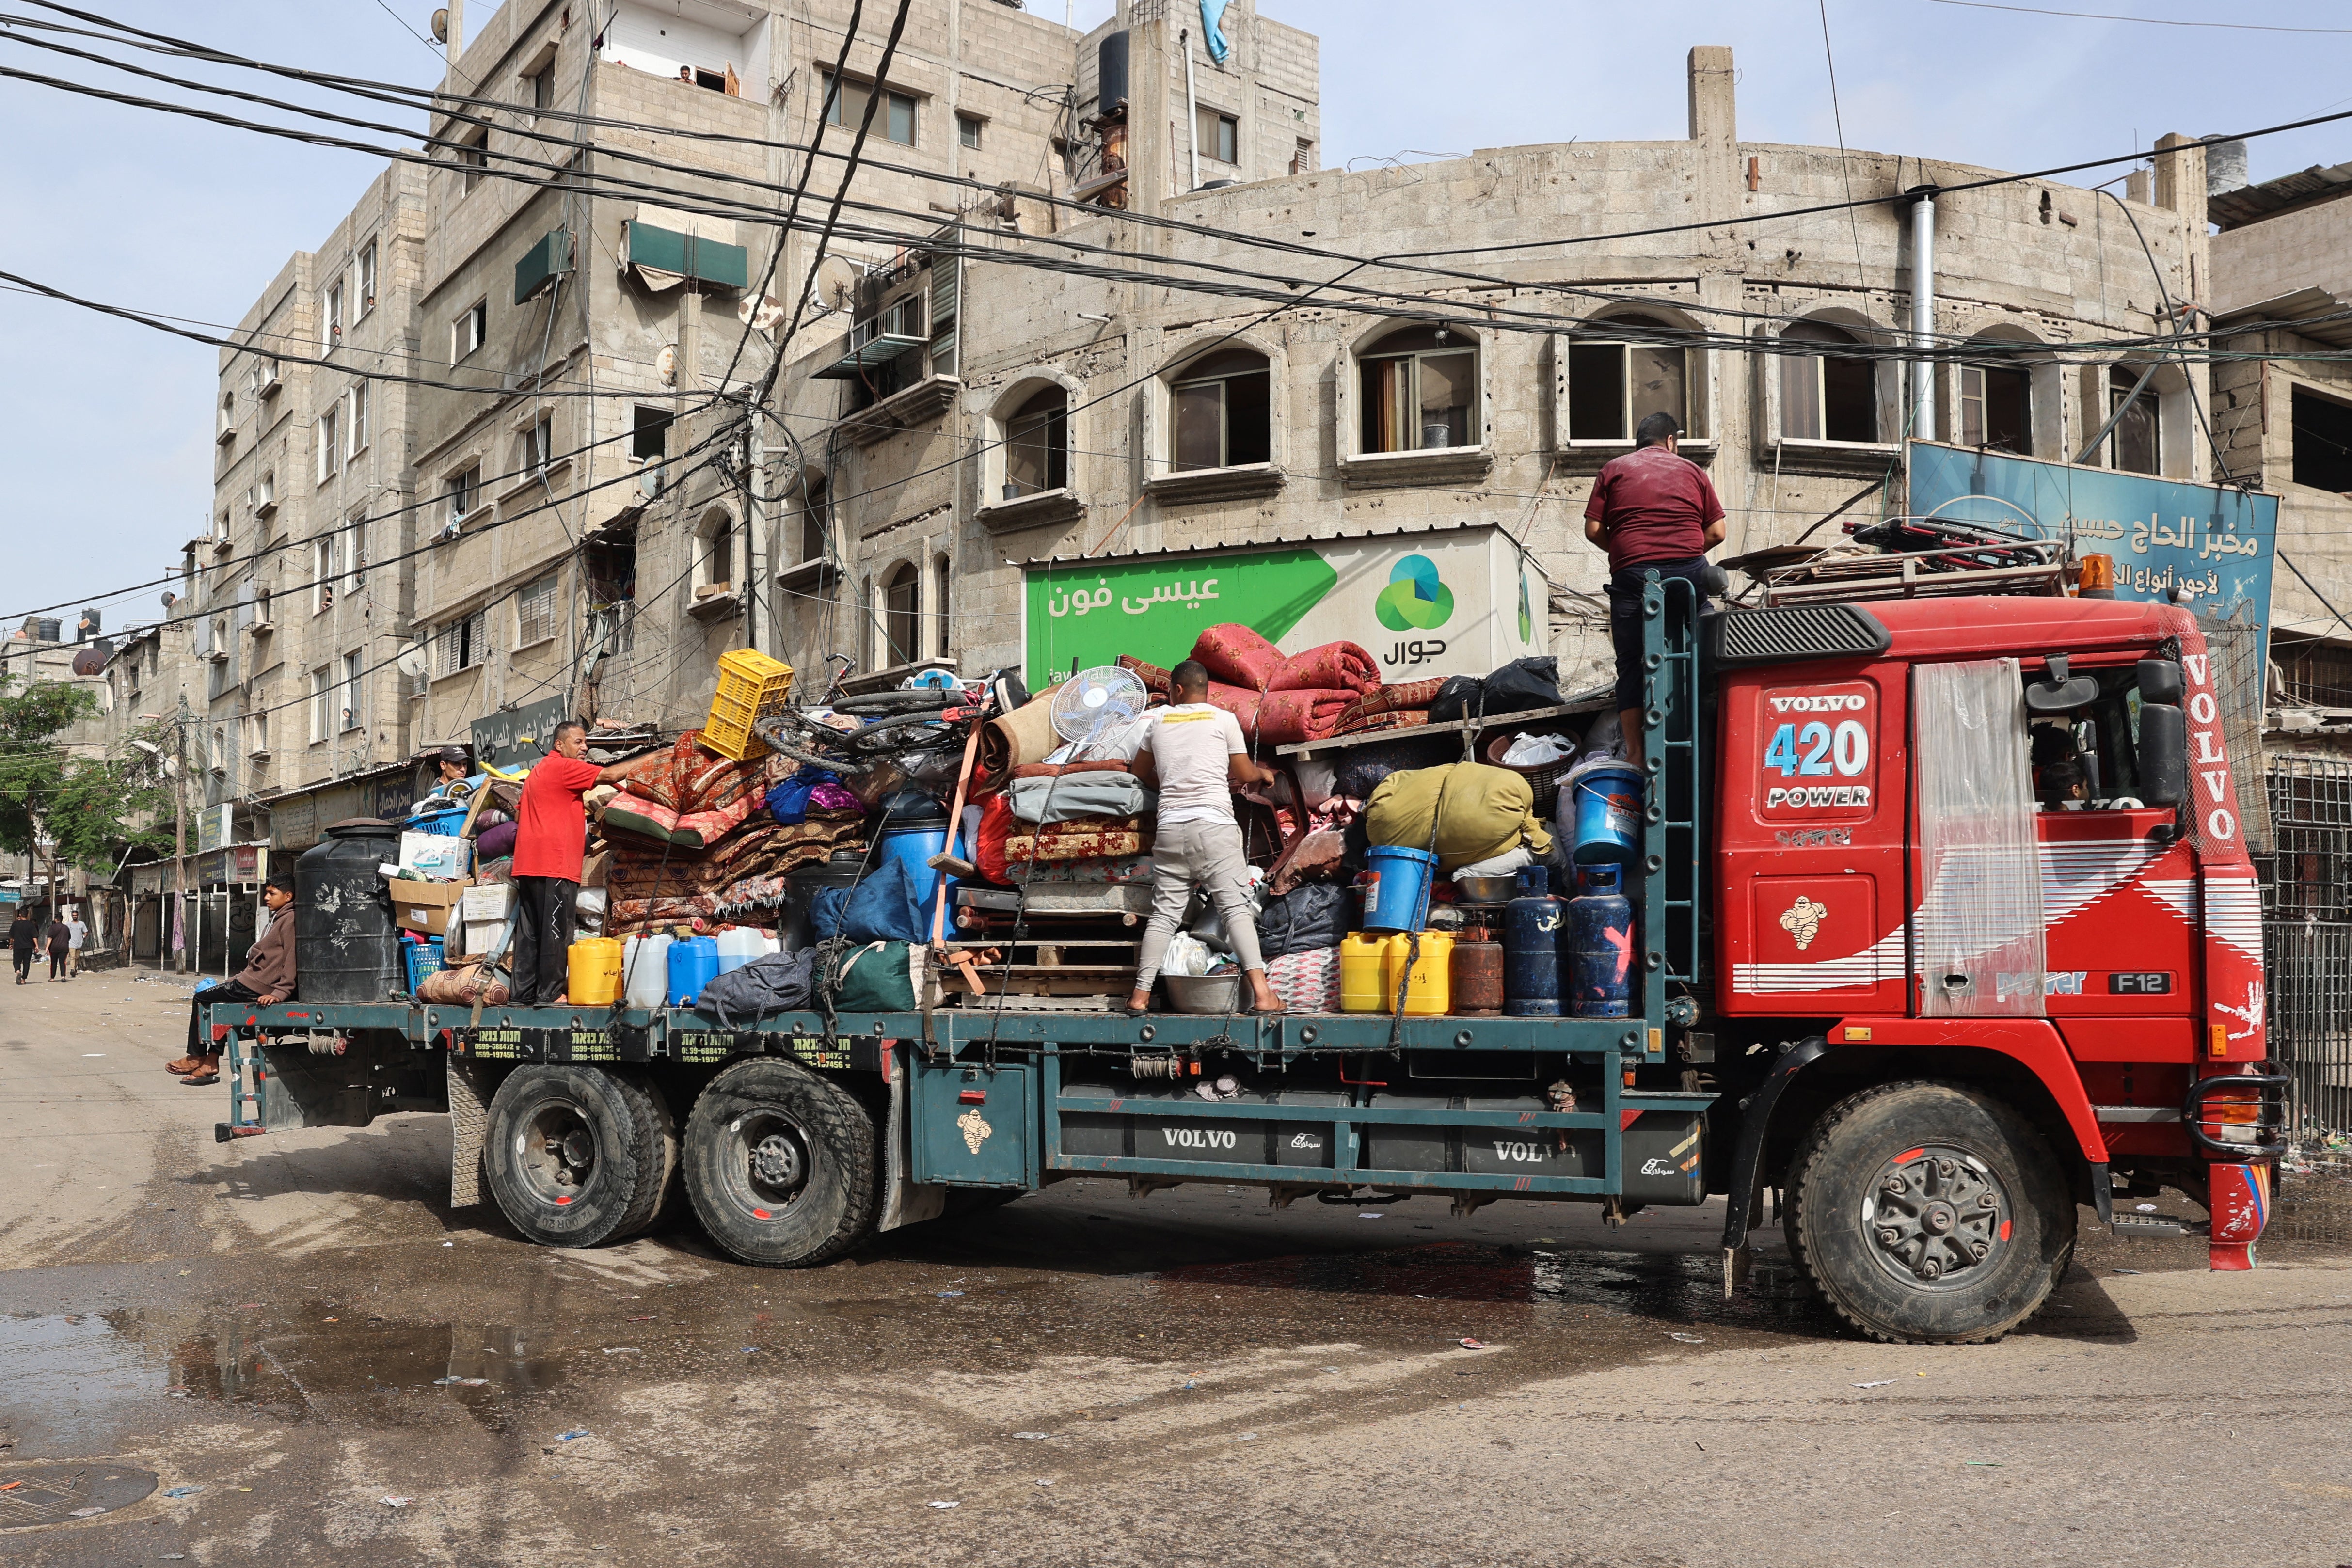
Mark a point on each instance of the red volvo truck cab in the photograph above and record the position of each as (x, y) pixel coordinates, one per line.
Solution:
(1981, 900)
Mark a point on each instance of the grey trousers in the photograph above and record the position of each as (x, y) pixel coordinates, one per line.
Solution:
(1207, 855)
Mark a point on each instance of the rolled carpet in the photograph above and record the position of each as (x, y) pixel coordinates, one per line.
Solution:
(1011, 740)
(1288, 717)
(1408, 697)
(1334, 666)
(1238, 656)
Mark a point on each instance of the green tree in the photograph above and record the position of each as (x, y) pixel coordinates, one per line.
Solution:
(66, 810)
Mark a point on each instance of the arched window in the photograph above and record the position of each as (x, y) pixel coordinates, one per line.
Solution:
(2135, 444)
(1997, 400)
(1222, 411)
(942, 574)
(901, 618)
(1613, 386)
(1037, 444)
(815, 509)
(1827, 396)
(714, 567)
(1420, 391)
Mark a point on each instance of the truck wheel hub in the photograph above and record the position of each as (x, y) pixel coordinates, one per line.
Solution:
(1936, 1216)
(776, 1161)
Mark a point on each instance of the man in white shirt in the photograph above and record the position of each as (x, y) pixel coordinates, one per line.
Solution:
(76, 932)
(1195, 756)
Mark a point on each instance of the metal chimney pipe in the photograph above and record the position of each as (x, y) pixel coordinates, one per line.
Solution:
(1923, 311)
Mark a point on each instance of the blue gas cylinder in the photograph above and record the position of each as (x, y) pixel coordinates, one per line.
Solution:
(1600, 945)
(1532, 925)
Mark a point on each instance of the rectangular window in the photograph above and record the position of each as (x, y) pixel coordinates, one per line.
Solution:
(363, 281)
(355, 420)
(324, 572)
(2137, 445)
(1302, 162)
(352, 670)
(535, 612)
(474, 156)
(256, 735)
(1996, 408)
(329, 444)
(1416, 402)
(331, 317)
(466, 332)
(1221, 422)
(968, 132)
(1220, 135)
(461, 644)
(651, 440)
(539, 443)
(538, 88)
(1612, 387)
(321, 710)
(844, 106)
(462, 492)
(2323, 442)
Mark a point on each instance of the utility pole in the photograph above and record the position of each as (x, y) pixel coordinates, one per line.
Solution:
(755, 528)
(179, 827)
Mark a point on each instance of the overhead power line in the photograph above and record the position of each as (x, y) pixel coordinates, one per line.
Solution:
(2144, 21)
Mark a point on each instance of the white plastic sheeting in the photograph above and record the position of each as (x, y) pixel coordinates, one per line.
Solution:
(1978, 929)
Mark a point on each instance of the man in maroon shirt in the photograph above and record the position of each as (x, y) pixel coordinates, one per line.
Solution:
(1653, 511)
(551, 836)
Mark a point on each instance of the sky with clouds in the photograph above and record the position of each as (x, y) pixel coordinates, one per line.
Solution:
(105, 426)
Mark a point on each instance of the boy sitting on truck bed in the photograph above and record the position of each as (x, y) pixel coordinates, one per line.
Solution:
(267, 979)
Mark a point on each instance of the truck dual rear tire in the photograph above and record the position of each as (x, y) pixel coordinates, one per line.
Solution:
(782, 1165)
(577, 1155)
(1928, 1214)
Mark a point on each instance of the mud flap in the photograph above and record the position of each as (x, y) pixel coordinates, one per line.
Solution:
(470, 1089)
(904, 1201)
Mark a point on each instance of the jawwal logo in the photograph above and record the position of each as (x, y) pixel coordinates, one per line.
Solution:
(1414, 599)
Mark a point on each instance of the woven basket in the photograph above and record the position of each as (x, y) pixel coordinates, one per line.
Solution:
(1544, 779)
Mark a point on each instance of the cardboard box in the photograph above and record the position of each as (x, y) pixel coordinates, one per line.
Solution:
(480, 936)
(425, 907)
(492, 901)
(434, 855)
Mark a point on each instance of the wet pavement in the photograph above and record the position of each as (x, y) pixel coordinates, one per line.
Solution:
(291, 1347)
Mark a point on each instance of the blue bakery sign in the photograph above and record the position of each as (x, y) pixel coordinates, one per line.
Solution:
(2213, 544)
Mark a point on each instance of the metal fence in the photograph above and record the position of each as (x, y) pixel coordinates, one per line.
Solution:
(2307, 935)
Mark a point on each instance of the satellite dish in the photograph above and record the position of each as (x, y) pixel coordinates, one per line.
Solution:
(170, 599)
(836, 279)
(650, 482)
(665, 365)
(89, 661)
(411, 662)
(760, 314)
(441, 25)
(1096, 700)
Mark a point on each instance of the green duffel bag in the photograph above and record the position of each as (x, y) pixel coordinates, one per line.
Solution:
(881, 977)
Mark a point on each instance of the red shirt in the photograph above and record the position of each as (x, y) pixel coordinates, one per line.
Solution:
(551, 827)
(1653, 507)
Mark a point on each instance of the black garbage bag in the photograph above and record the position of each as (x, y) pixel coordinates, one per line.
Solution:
(778, 983)
(1312, 914)
(1523, 684)
(1459, 698)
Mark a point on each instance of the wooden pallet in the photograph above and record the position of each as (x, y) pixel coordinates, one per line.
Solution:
(1053, 966)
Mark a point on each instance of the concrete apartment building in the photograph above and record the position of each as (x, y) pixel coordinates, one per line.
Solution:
(1489, 391)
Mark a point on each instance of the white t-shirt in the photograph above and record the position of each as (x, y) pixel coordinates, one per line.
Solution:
(1192, 746)
(75, 931)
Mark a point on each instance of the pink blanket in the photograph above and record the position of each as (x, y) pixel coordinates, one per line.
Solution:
(1238, 656)
(1334, 666)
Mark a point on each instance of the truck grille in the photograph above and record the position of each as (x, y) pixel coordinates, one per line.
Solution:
(1805, 632)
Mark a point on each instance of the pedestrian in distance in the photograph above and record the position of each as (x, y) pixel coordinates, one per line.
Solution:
(267, 979)
(58, 938)
(1653, 510)
(550, 841)
(22, 935)
(77, 933)
(1194, 754)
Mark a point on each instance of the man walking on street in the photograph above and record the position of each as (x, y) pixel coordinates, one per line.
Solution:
(1195, 756)
(267, 979)
(59, 942)
(77, 933)
(552, 837)
(1653, 510)
(22, 933)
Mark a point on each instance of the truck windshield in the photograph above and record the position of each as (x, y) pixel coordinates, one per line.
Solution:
(2088, 760)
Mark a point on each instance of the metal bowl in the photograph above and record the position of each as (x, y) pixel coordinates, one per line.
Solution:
(1204, 993)
(1486, 889)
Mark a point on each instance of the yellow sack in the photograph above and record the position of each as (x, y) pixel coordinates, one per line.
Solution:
(1488, 812)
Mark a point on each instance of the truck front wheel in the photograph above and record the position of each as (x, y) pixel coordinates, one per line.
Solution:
(781, 1164)
(1928, 1214)
(577, 1155)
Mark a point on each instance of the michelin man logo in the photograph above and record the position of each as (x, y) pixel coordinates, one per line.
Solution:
(975, 1130)
(1804, 920)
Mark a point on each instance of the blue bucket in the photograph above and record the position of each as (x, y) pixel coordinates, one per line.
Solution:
(1608, 815)
(1396, 889)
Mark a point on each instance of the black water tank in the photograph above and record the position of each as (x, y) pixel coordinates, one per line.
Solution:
(346, 947)
(843, 870)
(1110, 72)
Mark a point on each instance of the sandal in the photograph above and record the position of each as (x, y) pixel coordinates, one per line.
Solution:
(183, 1066)
(1275, 1012)
(202, 1080)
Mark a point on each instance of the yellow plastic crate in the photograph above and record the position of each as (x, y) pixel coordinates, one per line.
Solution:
(751, 687)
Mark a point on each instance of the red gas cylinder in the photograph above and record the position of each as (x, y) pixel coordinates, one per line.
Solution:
(1477, 978)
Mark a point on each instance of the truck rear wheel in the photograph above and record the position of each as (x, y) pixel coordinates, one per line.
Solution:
(781, 1165)
(1928, 1214)
(577, 1155)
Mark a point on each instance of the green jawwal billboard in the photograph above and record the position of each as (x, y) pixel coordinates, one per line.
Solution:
(1445, 603)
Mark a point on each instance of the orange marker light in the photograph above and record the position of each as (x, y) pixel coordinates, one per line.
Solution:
(2098, 577)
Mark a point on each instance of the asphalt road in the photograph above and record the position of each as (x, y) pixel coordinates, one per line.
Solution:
(300, 1330)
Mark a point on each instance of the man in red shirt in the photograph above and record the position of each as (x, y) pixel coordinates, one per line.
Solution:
(1651, 510)
(550, 837)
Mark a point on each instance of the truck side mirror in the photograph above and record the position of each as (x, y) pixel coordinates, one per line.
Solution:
(2163, 754)
(2159, 681)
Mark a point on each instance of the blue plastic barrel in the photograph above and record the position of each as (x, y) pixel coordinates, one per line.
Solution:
(1396, 888)
(1608, 815)
(693, 963)
(1531, 949)
(912, 845)
(1599, 946)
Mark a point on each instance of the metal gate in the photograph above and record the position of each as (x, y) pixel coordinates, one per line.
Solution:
(2307, 935)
